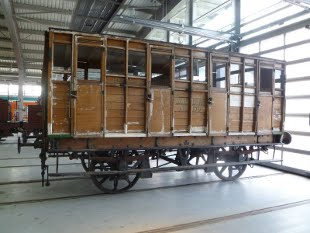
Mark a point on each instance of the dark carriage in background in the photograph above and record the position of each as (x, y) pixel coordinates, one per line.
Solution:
(128, 108)
(7, 128)
(31, 128)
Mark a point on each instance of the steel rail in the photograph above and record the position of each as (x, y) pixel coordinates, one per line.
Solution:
(200, 223)
(134, 190)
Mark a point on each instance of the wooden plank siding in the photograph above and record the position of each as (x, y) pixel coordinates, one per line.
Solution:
(126, 104)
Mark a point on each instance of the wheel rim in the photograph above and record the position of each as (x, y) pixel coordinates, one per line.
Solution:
(233, 172)
(113, 183)
(85, 161)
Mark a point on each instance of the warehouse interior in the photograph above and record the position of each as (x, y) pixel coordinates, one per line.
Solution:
(273, 197)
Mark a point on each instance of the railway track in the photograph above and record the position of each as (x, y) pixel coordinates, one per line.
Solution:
(190, 225)
(137, 190)
(16, 158)
(39, 165)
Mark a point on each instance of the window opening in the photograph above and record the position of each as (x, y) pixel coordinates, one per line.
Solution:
(181, 68)
(199, 70)
(62, 62)
(265, 80)
(161, 70)
(219, 75)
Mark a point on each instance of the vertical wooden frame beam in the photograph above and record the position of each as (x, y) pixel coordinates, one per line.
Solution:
(102, 84)
(172, 92)
(126, 88)
(148, 88)
(241, 127)
(227, 95)
(207, 93)
(273, 95)
(73, 91)
(283, 86)
(257, 91)
(49, 82)
(210, 84)
(104, 114)
(190, 123)
(71, 86)
(172, 83)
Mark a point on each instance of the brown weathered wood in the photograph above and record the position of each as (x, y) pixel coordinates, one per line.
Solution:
(121, 104)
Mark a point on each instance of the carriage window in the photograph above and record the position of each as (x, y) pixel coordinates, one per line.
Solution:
(161, 70)
(277, 78)
(181, 70)
(219, 75)
(89, 63)
(249, 76)
(235, 74)
(265, 80)
(116, 61)
(199, 69)
(62, 62)
(136, 63)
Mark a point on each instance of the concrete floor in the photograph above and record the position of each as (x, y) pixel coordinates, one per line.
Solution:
(262, 200)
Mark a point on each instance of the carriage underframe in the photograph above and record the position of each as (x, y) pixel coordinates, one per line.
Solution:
(115, 168)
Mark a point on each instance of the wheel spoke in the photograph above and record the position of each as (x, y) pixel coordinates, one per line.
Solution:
(127, 179)
(203, 158)
(103, 180)
(197, 160)
(115, 183)
(223, 169)
(230, 171)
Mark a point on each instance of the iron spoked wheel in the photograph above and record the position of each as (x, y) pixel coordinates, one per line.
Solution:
(114, 183)
(230, 173)
(197, 157)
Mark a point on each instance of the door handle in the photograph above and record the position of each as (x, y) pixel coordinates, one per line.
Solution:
(149, 97)
(73, 94)
(259, 104)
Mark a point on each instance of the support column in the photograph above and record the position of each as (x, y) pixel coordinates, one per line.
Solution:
(14, 34)
(236, 6)
(190, 7)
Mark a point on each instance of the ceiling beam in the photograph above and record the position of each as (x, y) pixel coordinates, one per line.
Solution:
(34, 32)
(36, 42)
(276, 32)
(121, 31)
(160, 13)
(33, 51)
(41, 9)
(17, 73)
(14, 65)
(194, 31)
(45, 22)
(8, 58)
(106, 26)
(5, 39)
(30, 60)
(3, 28)
(14, 78)
(6, 49)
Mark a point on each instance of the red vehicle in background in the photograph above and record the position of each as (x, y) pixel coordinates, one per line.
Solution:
(7, 127)
(32, 125)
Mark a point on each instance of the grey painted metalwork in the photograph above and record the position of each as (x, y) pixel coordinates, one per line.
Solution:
(195, 31)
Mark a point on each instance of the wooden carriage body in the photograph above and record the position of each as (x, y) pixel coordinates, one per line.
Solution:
(104, 92)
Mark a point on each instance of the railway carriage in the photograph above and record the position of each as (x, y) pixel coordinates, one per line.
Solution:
(128, 108)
